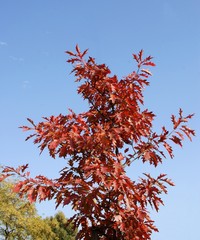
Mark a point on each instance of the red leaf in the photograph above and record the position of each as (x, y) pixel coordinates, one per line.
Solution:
(140, 55)
(146, 71)
(77, 49)
(169, 149)
(176, 140)
(149, 64)
(147, 156)
(66, 201)
(32, 195)
(70, 53)
(136, 58)
(18, 187)
(31, 121)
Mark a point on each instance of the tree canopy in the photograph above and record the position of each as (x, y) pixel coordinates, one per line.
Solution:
(100, 144)
(58, 225)
(18, 218)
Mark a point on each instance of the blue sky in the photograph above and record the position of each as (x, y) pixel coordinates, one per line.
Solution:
(35, 82)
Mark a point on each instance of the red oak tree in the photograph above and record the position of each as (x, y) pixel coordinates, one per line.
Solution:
(99, 145)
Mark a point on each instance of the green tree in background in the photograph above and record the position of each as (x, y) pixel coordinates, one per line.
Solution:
(19, 219)
(58, 225)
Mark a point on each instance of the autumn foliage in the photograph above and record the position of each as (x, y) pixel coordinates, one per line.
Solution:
(99, 146)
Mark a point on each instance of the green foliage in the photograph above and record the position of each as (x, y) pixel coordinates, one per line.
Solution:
(58, 225)
(19, 219)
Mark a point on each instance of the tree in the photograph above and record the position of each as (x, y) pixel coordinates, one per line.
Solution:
(100, 145)
(18, 218)
(58, 226)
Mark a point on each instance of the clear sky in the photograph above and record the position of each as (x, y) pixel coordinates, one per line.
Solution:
(35, 82)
